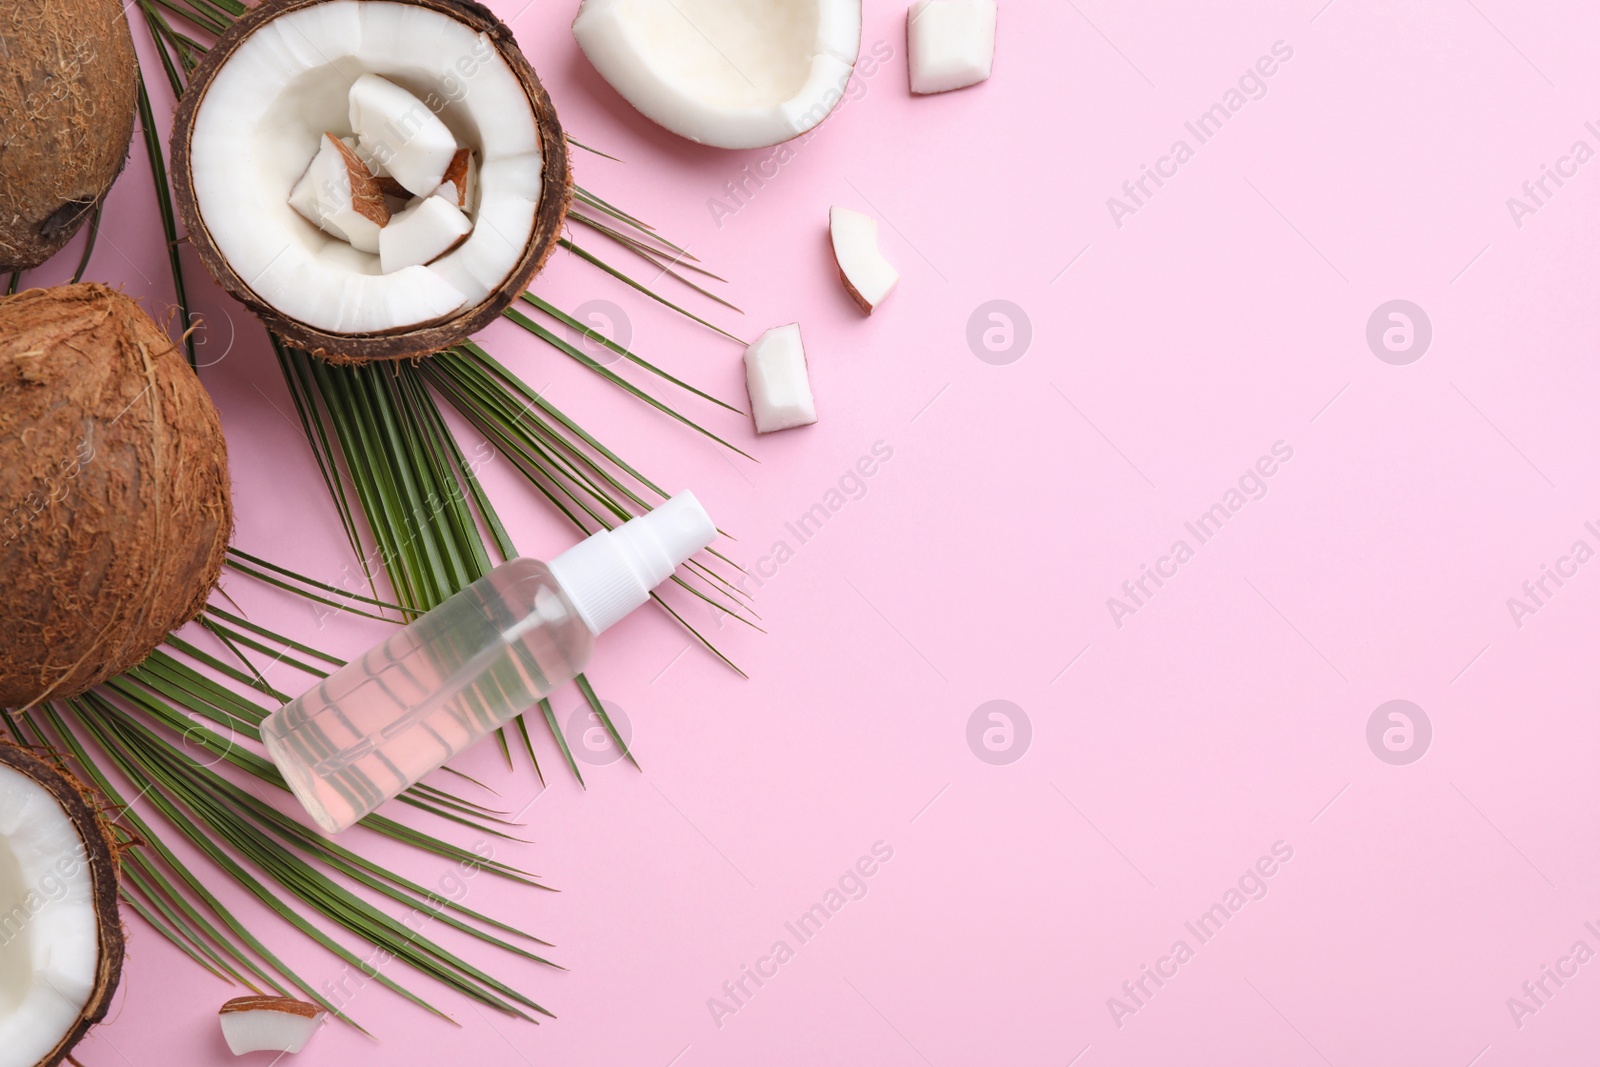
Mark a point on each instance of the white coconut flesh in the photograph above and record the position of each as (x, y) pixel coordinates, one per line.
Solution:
(868, 275)
(779, 382)
(49, 935)
(423, 232)
(728, 73)
(268, 1024)
(261, 128)
(338, 193)
(399, 134)
(950, 43)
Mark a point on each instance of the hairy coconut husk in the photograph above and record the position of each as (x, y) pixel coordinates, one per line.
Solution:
(411, 342)
(69, 88)
(102, 853)
(114, 505)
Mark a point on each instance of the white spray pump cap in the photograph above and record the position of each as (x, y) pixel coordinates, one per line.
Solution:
(610, 573)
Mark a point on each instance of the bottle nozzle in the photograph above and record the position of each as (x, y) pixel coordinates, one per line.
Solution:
(612, 572)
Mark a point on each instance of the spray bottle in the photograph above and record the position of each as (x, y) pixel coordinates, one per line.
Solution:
(458, 673)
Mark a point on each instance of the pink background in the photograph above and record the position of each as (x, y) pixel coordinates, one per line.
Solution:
(1168, 754)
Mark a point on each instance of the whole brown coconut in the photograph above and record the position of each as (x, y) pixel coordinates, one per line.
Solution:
(412, 342)
(69, 88)
(114, 505)
(101, 852)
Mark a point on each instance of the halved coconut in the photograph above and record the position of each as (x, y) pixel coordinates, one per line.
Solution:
(60, 939)
(410, 74)
(743, 74)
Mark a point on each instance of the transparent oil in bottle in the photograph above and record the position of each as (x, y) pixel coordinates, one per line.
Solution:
(472, 664)
(433, 688)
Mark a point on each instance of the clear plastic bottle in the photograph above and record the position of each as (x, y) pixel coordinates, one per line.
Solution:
(456, 674)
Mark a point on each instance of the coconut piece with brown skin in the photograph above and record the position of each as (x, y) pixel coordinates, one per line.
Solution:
(868, 277)
(61, 941)
(268, 1024)
(464, 68)
(460, 182)
(340, 196)
(69, 85)
(114, 504)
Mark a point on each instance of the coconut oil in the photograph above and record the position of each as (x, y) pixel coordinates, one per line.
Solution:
(456, 674)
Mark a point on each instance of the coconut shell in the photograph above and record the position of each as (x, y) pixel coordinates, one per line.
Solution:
(114, 505)
(69, 88)
(101, 853)
(412, 342)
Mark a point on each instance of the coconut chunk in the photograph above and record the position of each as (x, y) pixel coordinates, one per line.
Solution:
(400, 133)
(460, 184)
(780, 386)
(732, 75)
(268, 1024)
(508, 196)
(421, 233)
(868, 277)
(366, 198)
(339, 195)
(950, 43)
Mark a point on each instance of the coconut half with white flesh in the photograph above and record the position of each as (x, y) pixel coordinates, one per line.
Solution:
(262, 148)
(726, 73)
(61, 941)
